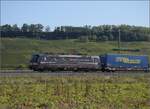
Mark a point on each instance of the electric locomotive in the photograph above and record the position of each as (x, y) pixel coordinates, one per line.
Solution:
(64, 62)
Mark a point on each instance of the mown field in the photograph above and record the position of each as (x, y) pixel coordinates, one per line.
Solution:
(16, 53)
(75, 92)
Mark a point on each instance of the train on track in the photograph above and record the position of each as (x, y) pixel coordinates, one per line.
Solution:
(106, 62)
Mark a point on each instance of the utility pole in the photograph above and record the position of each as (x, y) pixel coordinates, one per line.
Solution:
(119, 41)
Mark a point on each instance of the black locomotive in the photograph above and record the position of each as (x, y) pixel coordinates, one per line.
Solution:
(64, 62)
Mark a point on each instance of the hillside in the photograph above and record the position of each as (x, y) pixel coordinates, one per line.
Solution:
(17, 52)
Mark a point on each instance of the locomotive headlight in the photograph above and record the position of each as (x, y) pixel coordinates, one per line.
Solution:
(33, 63)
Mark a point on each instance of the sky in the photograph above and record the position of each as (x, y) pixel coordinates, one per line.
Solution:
(75, 13)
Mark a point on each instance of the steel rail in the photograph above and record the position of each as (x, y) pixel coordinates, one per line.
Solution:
(13, 73)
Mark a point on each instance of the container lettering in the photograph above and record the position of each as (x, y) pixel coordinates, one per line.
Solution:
(127, 60)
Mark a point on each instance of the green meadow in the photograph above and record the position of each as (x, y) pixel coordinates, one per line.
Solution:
(16, 52)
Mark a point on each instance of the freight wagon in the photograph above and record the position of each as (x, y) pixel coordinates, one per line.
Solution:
(123, 62)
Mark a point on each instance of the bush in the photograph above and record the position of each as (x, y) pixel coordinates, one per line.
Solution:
(92, 38)
(83, 39)
(21, 66)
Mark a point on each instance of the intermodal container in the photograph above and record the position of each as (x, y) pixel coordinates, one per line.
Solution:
(124, 62)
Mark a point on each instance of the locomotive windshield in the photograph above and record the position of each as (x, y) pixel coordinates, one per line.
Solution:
(34, 58)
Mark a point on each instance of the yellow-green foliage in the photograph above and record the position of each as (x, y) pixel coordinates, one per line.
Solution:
(75, 92)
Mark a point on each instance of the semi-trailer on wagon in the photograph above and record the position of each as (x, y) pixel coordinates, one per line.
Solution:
(124, 62)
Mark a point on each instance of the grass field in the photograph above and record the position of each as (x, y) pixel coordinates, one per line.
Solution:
(17, 52)
(69, 92)
(75, 92)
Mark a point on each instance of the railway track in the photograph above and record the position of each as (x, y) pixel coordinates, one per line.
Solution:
(14, 73)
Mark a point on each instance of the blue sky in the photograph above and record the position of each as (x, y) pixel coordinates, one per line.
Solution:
(75, 13)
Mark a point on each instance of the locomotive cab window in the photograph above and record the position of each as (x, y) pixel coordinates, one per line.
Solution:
(34, 58)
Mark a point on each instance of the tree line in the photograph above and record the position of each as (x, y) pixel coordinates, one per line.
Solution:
(83, 33)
